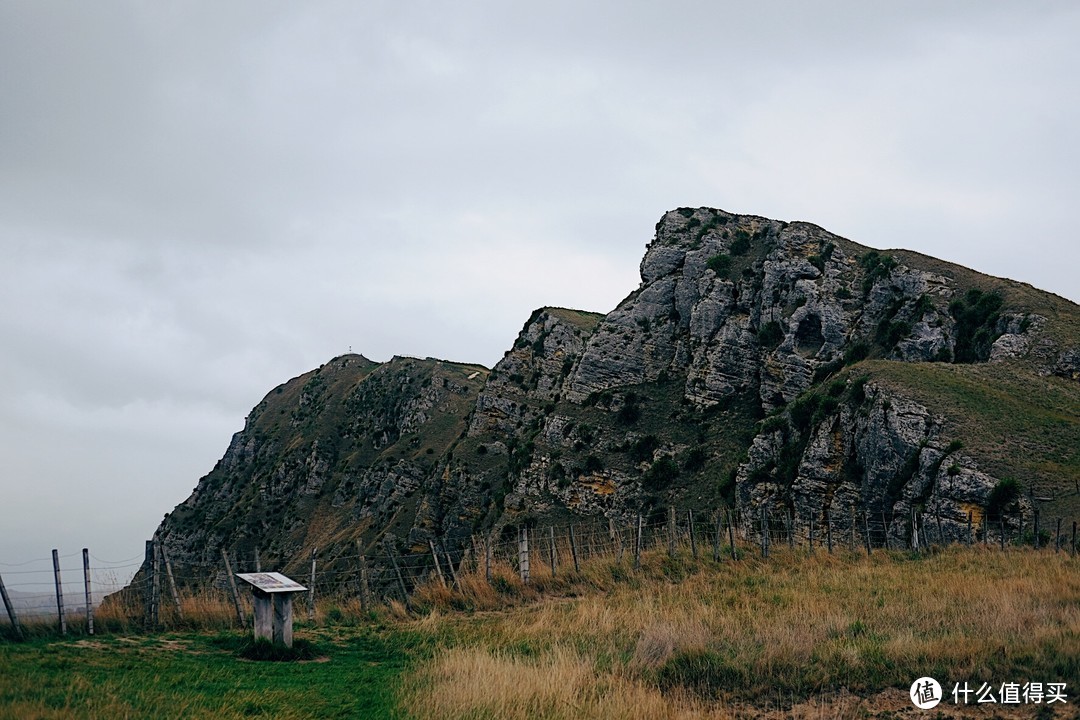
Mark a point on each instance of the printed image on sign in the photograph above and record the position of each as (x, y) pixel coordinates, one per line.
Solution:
(271, 582)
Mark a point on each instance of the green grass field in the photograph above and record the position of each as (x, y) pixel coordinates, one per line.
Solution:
(198, 675)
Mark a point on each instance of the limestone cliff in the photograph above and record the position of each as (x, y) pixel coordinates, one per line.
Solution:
(759, 363)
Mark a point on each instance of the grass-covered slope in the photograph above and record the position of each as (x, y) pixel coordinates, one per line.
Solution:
(1016, 424)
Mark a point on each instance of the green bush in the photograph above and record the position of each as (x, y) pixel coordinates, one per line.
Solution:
(1004, 494)
(719, 264)
(661, 474)
(976, 316)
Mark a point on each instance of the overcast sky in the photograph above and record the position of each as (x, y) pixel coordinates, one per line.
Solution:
(200, 200)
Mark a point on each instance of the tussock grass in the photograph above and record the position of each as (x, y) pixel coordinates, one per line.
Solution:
(683, 639)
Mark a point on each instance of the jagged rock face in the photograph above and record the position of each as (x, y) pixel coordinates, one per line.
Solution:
(733, 303)
(877, 453)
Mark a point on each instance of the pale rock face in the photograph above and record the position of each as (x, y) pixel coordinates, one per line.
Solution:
(687, 319)
(883, 457)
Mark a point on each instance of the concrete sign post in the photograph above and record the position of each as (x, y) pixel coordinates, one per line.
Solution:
(273, 595)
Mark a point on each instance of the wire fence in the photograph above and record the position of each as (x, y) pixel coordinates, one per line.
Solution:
(163, 594)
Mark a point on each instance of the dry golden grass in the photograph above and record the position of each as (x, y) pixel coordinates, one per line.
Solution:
(675, 640)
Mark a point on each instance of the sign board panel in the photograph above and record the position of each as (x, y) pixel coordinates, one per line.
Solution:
(271, 582)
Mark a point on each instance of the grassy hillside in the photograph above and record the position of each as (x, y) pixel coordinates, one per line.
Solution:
(803, 635)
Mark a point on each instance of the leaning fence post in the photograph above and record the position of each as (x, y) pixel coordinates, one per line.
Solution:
(89, 595)
(172, 581)
(397, 571)
(232, 588)
(450, 564)
(59, 593)
(435, 557)
(10, 610)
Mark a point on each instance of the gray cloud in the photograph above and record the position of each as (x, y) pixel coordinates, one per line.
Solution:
(199, 201)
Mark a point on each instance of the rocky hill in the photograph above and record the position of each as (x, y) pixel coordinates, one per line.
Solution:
(760, 364)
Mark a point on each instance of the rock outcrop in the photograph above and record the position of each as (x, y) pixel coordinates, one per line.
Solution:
(757, 364)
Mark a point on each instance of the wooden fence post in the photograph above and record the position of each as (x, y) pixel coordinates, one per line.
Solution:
(914, 531)
(1001, 519)
(172, 581)
(731, 535)
(574, 549)
(10, 610)
(810, 532)
(551, 548)
(523, 554)
(232, 588)
(790, 529)
(397, 571)
(716, 538)
(1057, 537)
(1036, 541)
(828, 529)
(148, 593)
(671, 531)
(311, 589)
(940, 532)
(764, 532)
(435, 557)
(450, 564)
(364, 591)
(693, 539)
(866, 527)
(157, 585)
(487, 558)
(970, 537)
(1072, 547)
(258, 561)
(59, 593)
(885, 529)
(637, 544)
(89, 595)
